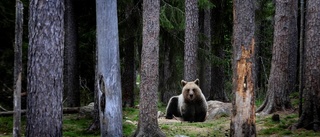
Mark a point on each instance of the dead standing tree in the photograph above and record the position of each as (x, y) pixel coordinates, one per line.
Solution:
(243, 113)
(108, 69)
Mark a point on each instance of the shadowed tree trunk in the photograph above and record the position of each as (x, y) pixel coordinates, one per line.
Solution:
(127, 52)
(217, 91)
(168, 84)
(45, 68)
(191, 40)
(17, 69)
(148, 120)
(206, 65)
(310, 116)
(301, 55)
(243, 112)
(108, 69)
(71, 75)
(284, 58)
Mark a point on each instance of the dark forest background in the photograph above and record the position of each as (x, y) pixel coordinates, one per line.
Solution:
(172, 22)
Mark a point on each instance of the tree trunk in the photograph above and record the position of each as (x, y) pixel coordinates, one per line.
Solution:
(71, 75)
(18, 69)
(301, 55)
(310, 116)
(191, 40)
(148, 120)
(128, 74)
(128, 45)
(217, 91)
(108, 73)
(206, 65)
(284, 58)
(243, 112)
(169, 78)
(45, 68)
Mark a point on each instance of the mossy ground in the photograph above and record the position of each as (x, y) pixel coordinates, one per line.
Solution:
(75, 126)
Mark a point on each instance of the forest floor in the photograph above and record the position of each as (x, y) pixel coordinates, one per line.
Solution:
(75, 126)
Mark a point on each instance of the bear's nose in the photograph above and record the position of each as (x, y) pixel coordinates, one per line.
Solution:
(191, 95)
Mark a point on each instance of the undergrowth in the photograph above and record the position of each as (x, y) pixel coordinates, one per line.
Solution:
(75, 126)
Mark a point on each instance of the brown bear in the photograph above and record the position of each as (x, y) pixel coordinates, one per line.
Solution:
(191, 104)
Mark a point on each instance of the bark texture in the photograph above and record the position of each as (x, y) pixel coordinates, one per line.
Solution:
(108, 73)
(18, 69)
(243, 112)
(310, 116)
(284, 58)
(45, 68)
(191, 40)
(148, 121)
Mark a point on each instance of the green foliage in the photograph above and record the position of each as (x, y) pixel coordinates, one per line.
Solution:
(205, 4)
(172, 17)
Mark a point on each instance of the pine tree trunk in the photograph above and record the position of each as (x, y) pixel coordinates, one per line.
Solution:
(243, 112)
(217, 91)
(169, 82)
(71, 79)
(191, 40)
(127, 76)
(45, 68)
(284, 58)
(310, 116)
(205, 85)
(18, 69)
(148, 120)
(108, 73)
(301, 55)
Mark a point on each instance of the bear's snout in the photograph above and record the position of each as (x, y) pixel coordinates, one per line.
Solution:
(191, 95)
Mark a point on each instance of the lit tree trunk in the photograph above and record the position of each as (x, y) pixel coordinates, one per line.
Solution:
(71, 76)
(284, 58)
(243, 112)
(310, 116)
(18, 69)
(45, 68)
(191, 40)
(108, 69)
(148, 121)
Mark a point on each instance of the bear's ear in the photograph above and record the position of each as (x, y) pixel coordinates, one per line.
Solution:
(183, 83)
(197, 82)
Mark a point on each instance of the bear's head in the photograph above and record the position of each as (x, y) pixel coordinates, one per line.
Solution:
(191, 91)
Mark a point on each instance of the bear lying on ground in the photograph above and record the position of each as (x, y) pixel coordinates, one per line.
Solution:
(191, 104)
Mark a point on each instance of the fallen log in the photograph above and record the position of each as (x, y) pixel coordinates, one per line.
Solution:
(66, 110)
